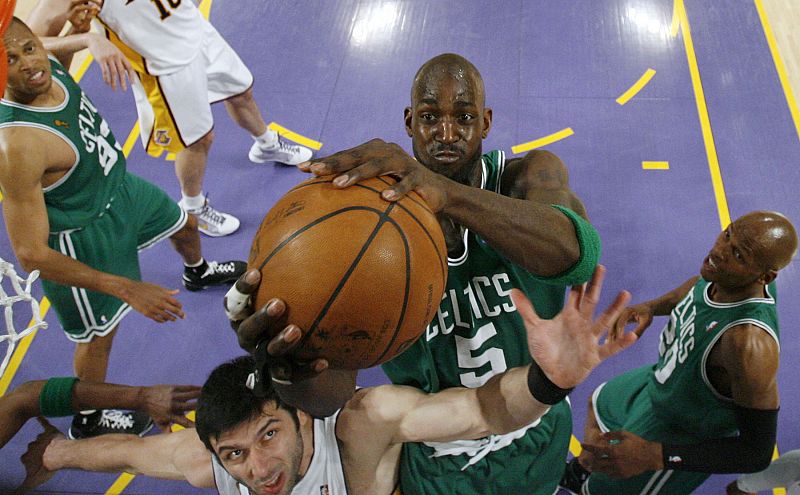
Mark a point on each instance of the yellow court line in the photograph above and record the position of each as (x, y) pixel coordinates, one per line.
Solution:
(297, 138)
(122, 482)
(131, 140)
(574, 446)
(655, 165)
(544, 141)
(705, 121)
(21, 350)
(83, 68)
(637, 86)
(776, 57)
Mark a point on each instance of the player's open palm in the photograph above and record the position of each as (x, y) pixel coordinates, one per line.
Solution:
(568, 347)
(153, 301)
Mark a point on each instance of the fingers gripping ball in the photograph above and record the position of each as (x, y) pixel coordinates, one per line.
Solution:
(362, 276)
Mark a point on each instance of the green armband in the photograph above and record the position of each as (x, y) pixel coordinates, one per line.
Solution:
(55, 400)
(589, 242)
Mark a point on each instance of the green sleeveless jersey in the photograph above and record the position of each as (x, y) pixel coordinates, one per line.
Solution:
(477, 332)
(87, 189)
(681, 392)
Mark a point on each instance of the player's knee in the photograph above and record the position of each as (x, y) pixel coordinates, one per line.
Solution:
(204, 142)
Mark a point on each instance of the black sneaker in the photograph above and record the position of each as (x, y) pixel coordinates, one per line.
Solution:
(109, 421)
(574, 477)
(212, 273)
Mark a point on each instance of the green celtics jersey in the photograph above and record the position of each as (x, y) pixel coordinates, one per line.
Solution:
(477, 332)
(86, 190)
(681, 392)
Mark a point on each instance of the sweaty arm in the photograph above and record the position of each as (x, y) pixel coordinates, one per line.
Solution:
(24, 157)
(556, 243)
(172, 456)
(748, 356)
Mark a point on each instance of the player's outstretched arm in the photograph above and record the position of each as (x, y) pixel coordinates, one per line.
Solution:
(568, 348)
(174, 456)
(544, 240)
(164, 403)
(642, 314)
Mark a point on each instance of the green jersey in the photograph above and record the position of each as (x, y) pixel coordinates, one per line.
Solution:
(476, 334)
(86, 190)
(681, 392)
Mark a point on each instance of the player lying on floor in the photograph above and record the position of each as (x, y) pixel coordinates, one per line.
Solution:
(259, 445)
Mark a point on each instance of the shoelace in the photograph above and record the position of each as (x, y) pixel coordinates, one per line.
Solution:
(214, 267)
(211, 215)
(288, 148)
(116, 420)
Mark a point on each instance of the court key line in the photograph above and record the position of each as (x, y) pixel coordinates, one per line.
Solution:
(544, 141)
(779, 66)
(637, 86)
(681, 19)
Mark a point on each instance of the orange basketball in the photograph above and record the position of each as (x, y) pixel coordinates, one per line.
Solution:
(361, 276)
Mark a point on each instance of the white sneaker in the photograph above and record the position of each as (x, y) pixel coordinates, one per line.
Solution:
(281, 152)
(212, 222)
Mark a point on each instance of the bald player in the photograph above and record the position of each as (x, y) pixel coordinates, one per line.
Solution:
(710, 403)
(73, 212)
(507, 224)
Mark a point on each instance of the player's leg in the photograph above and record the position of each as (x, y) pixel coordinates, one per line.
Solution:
(230, 80)
(155, 216)
(175, 116)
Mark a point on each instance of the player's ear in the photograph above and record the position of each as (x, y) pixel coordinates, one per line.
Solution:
(407, 116)
(768, 277)
(487, 122)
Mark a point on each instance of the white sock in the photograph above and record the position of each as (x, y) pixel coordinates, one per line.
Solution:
(269, 139)
(195, 265)
(193, 202)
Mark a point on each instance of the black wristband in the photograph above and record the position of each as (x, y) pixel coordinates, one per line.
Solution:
(542, 389)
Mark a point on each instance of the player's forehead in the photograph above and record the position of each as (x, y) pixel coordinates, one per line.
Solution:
(17, 36)
(240, 435)
(447, 84)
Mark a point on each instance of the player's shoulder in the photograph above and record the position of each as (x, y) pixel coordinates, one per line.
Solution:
(746, 343)
(376, 407)
(538, 169)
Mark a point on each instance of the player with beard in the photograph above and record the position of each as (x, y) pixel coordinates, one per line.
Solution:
(710, 403)
(260, 445)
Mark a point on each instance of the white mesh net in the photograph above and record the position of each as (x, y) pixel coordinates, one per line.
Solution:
(21, 292)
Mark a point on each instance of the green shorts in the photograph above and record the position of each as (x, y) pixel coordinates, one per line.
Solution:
(623, 403)
(530, 465)
(139, 215)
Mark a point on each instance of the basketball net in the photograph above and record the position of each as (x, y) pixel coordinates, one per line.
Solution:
(21, 292)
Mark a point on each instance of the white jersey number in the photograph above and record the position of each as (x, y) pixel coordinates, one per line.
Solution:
(493, 355)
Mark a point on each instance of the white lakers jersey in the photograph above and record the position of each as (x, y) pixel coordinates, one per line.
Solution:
(323, 477)
(166, 34)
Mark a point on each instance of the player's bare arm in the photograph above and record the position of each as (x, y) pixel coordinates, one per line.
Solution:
(31, 159)
(538, 237)
(48, 19)
(175, 456)
(642, 314)
(566, 349)
(743, 365)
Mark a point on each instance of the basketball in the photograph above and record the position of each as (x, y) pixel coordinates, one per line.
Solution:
(360, 275)
(6, 13)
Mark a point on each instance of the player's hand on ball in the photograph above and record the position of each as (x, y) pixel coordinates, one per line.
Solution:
(254, 327)
(81, 13)
(375, 158)
(568, 347)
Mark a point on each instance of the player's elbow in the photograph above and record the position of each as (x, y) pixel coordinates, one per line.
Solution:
(31, 258)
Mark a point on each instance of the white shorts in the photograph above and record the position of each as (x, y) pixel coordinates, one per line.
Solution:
(175, 109)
